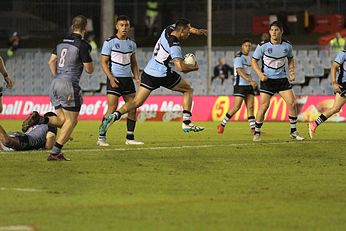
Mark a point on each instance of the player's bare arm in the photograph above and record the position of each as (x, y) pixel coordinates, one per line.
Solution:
(8, 80)
(183, 67)
(292, 75)
(104, 60)
(262, 76)
(245, 76)
(52, 64)
(196, 31)
(88, 67)
(336, 87)
(134, 68)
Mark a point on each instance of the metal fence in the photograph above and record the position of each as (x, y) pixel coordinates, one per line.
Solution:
(49, 19)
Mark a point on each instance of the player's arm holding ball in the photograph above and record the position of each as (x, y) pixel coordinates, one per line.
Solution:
(181, 66)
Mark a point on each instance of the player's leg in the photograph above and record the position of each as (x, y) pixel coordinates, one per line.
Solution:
(264, 105)
(131, 121)
(112, 100)
(249, 102)
(290, 99)
(1, 107)
(338, 103)
(71, 120)
(238, 100)
(184, 87)
(8, 142)
(141, 95)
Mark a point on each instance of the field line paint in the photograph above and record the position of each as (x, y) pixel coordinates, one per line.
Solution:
(21, 190)
(143, 148)
(17, 228)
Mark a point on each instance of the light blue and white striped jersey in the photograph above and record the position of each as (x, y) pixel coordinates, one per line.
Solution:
(119, 51)
(166, 49)
(341, 59)
(241, 61)
(273, 58)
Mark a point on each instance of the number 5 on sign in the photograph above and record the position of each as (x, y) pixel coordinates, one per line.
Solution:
(220, 108)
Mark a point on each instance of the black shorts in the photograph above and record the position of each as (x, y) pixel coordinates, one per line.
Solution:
(169, 81)
(1, 89)
(343, 90)
(272, 86)
(243, 91)
(125, 87)
(23, 143)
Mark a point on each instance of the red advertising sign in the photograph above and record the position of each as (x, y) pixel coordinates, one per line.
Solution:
(168, 108)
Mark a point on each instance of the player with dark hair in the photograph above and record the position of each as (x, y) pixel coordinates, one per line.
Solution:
(339, 86)
(244, 87)
(273, 77)
(8, 80)
(158, 72)
(118, 62)
(37, 137)
(66, 63)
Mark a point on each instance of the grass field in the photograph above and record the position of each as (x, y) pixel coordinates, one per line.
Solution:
(177, 181)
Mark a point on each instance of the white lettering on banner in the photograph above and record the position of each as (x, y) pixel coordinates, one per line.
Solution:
(105, 107)
(90, 109)
(149, 107)
(170, 106)
(12, 109)
(29, 106)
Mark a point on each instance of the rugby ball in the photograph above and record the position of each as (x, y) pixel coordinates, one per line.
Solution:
(190, 59)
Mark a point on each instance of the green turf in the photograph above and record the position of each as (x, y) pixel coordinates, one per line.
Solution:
(177, 181)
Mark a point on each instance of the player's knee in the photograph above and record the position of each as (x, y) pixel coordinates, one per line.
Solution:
(335, 110)
(250, 108)
(132, 114)
(292, 105)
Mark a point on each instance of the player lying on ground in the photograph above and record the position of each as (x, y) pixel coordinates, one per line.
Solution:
(35, 137)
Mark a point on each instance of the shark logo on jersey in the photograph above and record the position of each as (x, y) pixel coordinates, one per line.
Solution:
(270, 50)
(117, 45)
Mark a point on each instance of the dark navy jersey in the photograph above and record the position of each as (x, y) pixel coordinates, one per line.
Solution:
(71, 53)
(37, 135)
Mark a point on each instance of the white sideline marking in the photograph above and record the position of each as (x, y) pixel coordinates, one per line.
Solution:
(132, 148)
(17, 228)
(21, 190)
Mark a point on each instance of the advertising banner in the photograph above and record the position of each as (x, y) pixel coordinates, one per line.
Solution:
(168, 108)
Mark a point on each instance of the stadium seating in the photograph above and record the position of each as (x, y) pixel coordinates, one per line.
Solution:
(32, 75)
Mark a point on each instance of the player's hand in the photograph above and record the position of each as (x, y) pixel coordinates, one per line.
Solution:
(199, 31)
(9, 82)
(196, 67)
(253, 84)
(292, 77)
(202, 32)
(114, 82)
(262, 76)
(337, 87)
